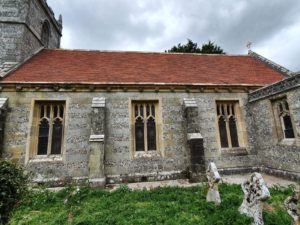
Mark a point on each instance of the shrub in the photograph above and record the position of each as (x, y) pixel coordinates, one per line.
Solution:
(13, 185)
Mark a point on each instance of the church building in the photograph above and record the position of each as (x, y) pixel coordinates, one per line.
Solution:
(113, 116)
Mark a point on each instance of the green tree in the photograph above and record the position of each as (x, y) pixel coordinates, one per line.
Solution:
(211, 48)
(191, 47)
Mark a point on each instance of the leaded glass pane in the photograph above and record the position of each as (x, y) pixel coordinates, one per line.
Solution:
(218, 110)
(43, 137)
(61, 111)
(151, 134)
(233, 132)
(153, 110)
(57, 132)
(228, 109)
(288, 127)
(136, 111)
(148, 110)
(48, 111)
(223, 133)
(142, 110)
(222, 109)
(55, 111)
(139, 135)
(42, 111)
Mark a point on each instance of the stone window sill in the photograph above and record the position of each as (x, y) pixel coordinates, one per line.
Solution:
(234, 151)
(146, 155)
(51, 158)
(287, 142)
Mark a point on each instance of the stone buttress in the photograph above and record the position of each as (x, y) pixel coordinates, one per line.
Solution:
(195, 140)
(97, 143)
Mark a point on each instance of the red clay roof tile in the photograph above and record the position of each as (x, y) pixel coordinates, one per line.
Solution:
(76, 66)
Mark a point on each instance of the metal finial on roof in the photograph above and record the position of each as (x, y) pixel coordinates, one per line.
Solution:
(248, 45)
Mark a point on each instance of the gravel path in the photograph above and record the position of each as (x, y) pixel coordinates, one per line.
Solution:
(232, 179)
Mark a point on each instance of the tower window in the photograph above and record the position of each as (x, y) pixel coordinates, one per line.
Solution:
(45, 35)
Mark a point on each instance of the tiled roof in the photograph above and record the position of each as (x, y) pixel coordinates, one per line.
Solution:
(77, 66)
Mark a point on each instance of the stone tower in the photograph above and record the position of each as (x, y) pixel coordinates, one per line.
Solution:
(25, 27)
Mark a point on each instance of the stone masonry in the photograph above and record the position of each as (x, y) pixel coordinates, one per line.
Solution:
(119, 166)
(277, 157)
(21, 22)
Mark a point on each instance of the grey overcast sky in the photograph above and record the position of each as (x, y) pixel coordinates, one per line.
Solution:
(273, 26)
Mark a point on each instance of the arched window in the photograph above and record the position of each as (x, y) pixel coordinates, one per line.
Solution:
(145, 126)
(227, 124)
(45, 35)
(283, 119)
(50, 127)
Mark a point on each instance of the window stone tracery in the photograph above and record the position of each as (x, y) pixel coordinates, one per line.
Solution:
(50, 128)
(145, 131)
(227, 124)
(284, 117)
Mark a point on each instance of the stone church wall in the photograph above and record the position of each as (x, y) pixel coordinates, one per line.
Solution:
(119, 164)
(277, 156)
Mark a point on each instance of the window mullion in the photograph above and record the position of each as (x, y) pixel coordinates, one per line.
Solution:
(282, 125)
(227, 126)
(145, 129)
(50, 130)
(156, 127)
(37, 129)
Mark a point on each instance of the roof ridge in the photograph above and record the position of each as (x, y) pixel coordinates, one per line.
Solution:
(143, 52)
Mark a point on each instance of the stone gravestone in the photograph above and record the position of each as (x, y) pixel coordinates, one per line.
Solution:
(255, 191)
(292, 205)
(213, 178)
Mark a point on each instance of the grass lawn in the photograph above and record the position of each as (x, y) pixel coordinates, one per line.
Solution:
(171, 205)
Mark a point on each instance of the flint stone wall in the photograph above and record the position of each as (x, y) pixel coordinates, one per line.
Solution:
(277, 157)
(119, 166)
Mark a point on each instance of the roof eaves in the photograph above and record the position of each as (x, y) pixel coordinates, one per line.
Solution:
(135, 83)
